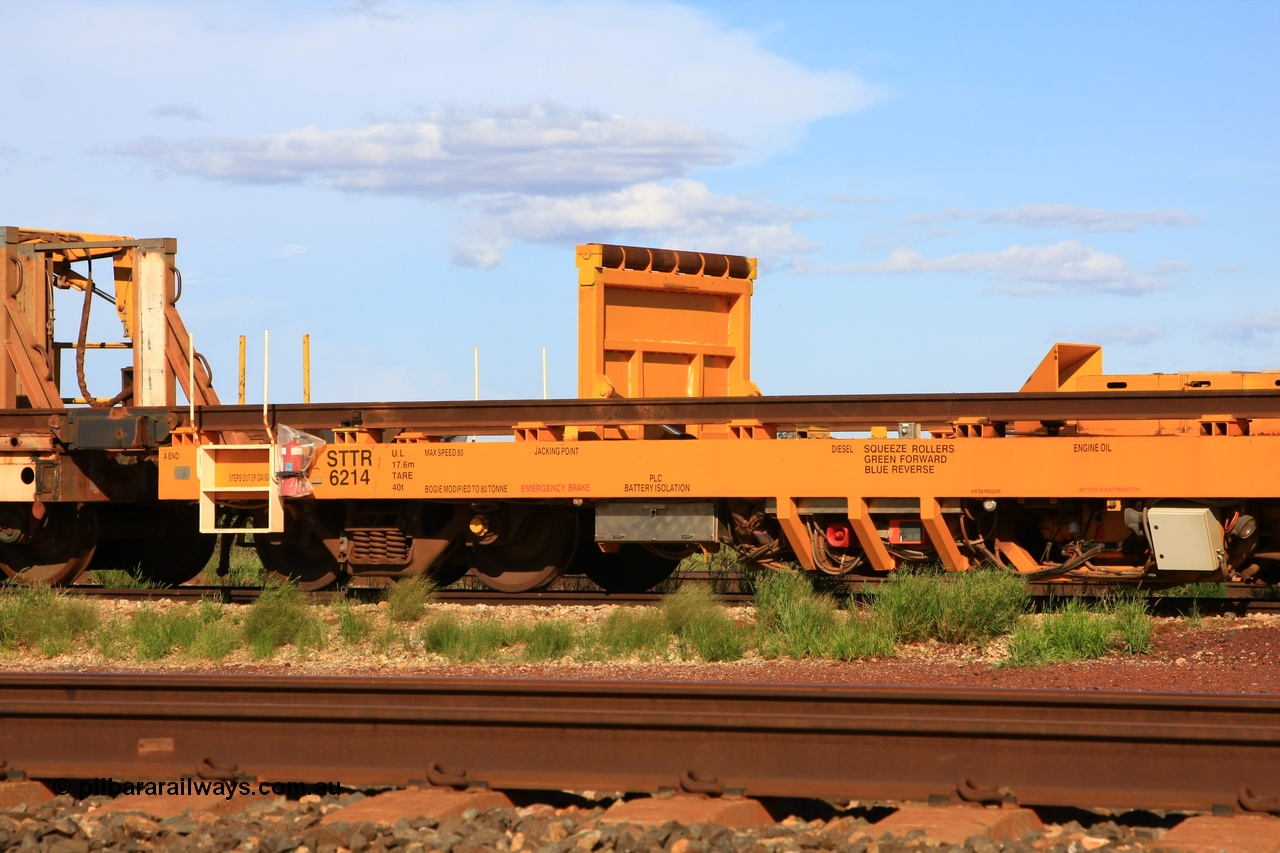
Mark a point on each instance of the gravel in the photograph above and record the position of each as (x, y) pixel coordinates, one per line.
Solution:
(65, 825)
(1225, 654)
(1220, 654)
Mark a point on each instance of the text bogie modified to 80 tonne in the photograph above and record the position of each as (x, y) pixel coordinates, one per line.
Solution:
(671, 450)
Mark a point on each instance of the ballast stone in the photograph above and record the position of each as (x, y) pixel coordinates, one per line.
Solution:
(685, 810)
(956, 824)
(413, 803)
(23, 792)
(1238, 834)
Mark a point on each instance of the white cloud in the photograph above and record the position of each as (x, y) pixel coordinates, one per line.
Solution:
(682, 214)
(376, 9)
(1246, 329)
(542, 150)
(1070, 217)
(1028, 270)
(177, 110)
(1122, 334)
(290, 250)
(374, 63)
(935, 217)
(495, 107)
(1091, 219)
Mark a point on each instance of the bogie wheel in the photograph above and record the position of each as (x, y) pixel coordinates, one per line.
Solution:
(174, 552)
(58, 550)
(538, 548)
(310, 566)
(631, 569)
(449, 573)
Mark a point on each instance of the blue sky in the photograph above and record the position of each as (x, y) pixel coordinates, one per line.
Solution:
(937, 192)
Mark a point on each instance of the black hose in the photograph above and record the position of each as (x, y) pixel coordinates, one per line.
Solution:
(1070, 565)
(80, 346)
(80, 341)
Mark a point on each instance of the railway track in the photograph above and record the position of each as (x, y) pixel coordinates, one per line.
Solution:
(1109, 750)
(1238, 600)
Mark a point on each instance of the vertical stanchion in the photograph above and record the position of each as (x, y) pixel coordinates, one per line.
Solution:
(191, 379)
(306, 368)
(477, 361)
(266, 373)
(242, 370)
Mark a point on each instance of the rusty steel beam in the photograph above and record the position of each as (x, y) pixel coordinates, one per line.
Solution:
(842, 412)
(846, 412)
(1051, 747)
(849, 412)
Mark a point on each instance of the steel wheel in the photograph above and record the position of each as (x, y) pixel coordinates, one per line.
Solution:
(537, 552)
(633, 568)
(449, 573)
(173, 552)
(59, 549)
(310, 566)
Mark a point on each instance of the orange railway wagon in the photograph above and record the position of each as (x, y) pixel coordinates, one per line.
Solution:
(669, 450)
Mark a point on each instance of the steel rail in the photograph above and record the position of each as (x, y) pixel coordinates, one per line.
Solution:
(844, 412)
(836, 412)
(491, 598)
(1237, 601)
(1115, 750)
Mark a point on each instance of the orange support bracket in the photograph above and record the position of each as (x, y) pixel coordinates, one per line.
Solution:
(793, 528)
(1022, 561)
(864, 527)
(940, 535)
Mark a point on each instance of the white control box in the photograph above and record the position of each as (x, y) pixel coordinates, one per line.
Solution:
(1185, 539)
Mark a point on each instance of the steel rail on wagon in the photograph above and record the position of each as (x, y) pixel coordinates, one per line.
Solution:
(851, 412)
(836, 412)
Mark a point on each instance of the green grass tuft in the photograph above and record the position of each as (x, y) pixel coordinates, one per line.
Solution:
(1194, 591)
(791, 620)
(628, 632)
(278, 618)
(407, 599)
(111, 638)
(465, 642)
(39, 619)
(864, 634)
(354, 626)
(701, 626)
(244, 568)
(547, 641)
(1078, 632)
(157, 634)
(215, 641)
(1133, 626)
(442, 635)
(1075, 632)
(964, 608)
(122, 579)
(794, 621)
(723, 569)
(714, 638)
